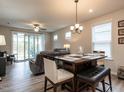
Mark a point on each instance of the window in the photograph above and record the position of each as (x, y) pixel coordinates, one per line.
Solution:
(55, 37)
(101, 38)
(68, 35)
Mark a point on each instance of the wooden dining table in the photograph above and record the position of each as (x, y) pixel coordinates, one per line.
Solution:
(78, 62)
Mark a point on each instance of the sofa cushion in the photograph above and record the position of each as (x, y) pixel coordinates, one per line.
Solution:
(1, 54)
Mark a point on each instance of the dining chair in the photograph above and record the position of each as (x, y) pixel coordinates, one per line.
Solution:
(56, 76)
(101, 62)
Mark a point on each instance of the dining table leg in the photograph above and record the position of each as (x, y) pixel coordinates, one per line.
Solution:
(75, 77)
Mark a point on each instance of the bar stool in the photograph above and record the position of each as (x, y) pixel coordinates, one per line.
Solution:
(93, 76)
(56, 76)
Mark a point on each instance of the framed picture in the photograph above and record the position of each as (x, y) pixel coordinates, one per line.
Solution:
(121, 40)
(120, 32)
(121, 23)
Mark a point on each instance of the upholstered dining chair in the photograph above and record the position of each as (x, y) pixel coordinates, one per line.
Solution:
(56, 76)
(101, 62)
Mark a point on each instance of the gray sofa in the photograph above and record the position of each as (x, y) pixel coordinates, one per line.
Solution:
(37, 66)
(2, 67)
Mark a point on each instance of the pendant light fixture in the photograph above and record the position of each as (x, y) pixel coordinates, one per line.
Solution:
(76, 28)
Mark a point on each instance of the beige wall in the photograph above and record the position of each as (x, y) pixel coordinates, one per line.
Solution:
(76, 40)
(84, 39)
(48, 44)
(7, 31)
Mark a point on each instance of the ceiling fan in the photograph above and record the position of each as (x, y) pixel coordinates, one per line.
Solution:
(38, 28)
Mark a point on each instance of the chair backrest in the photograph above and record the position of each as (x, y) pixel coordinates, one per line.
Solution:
(100, 52)
(100, 62)
(50, 69)
(39, 59)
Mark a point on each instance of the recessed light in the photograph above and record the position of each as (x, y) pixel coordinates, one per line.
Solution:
(90, 10)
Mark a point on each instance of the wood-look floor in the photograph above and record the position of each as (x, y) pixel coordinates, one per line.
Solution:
(19, 79)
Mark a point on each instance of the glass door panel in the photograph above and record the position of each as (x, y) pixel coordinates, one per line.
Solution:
(15, 45)
(20, 46)
(36, 45)
(31, 47)
(39, 43)
(26, 46)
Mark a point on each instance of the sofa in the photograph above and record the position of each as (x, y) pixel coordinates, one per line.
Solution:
(2, 66)
(56, 52)
(37, 65)
(2, 53)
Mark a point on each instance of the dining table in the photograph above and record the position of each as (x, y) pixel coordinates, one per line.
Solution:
(78, 62)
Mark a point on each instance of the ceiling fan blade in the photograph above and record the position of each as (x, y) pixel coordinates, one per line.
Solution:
(43, 29)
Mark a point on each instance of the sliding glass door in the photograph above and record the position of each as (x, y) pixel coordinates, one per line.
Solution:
(26, 46)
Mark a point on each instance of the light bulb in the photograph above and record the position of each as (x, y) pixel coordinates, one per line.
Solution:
(36, 29)
(71, 27)
(77, 26)
(81, 28)
(90, 10)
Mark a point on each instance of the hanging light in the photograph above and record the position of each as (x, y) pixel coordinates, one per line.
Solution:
(76, 28)
(36, 27)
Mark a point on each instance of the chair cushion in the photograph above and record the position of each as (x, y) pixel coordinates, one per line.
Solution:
(64, 75)
(93, 75)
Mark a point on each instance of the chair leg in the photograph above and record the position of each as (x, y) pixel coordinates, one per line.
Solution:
(0, 78)
(54, 88)
(93, 88)
(11, 61)
(77, 87)
(45, 85)
(73, 84)
(110, 81)
(62, 86)
(103, 85)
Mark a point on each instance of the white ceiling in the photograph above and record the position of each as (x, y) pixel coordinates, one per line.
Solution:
(52, 14)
